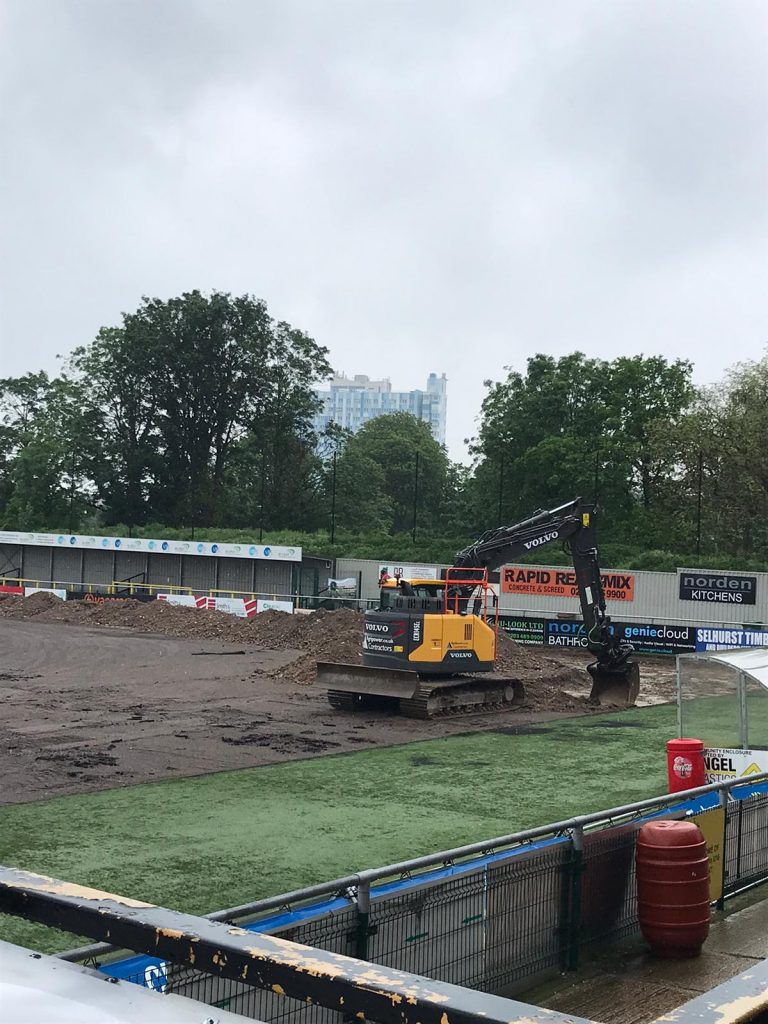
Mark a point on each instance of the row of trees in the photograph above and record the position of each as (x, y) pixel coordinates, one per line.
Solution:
(197, 412)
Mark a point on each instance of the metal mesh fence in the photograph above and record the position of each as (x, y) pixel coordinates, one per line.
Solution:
(526, 917)
(746, 842)
(435, 930)
(608, 893)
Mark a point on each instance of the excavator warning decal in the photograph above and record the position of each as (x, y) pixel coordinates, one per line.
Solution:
(524, 579)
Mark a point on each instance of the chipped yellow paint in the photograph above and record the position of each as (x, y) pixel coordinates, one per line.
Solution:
(293, 955)
(444, 1019)
(191, 956)
(168, 933)
(244, 972)
(278, 990)
(44, 883)
(219, 959)
(740, 1009)
(237, 931)
(375, 978)
(360, 1016)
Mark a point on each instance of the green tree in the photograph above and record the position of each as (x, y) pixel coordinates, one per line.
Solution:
(44, 452)
(573, 426)
(191, 386)
(724, 475)
(394, 444)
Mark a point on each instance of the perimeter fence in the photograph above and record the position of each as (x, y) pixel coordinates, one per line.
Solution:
(497, 916)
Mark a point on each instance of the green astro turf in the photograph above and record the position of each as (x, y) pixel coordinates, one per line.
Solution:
(219, 840)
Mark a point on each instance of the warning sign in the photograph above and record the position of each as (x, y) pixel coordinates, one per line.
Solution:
(712, 825)
(525, 579)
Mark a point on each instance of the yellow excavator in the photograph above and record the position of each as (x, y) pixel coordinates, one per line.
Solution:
(431, 645)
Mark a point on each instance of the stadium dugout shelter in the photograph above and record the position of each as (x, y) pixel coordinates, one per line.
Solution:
(722, 699)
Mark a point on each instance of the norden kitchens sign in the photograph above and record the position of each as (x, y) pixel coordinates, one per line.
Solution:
(717, 587)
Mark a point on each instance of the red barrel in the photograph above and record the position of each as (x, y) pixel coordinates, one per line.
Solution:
(673, 887)
(685, 764)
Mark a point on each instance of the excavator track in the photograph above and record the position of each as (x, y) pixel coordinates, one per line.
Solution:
(341, 701)
(460, 696)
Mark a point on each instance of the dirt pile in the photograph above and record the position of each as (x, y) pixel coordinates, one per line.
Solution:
(321, 636)
(320, 632)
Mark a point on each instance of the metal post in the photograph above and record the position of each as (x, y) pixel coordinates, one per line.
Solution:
(698, 504)
(261, 505)
(723, 801)
(574, 919)
(333, 502)
(363, 918)
(597, 475)
(743, 726)
(415, 495)
(72, 491)
(501, 488)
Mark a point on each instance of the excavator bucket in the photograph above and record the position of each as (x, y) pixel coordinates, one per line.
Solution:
(366, 681)
(617, 687)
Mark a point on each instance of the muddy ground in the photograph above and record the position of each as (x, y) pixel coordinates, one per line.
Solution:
(92, 699)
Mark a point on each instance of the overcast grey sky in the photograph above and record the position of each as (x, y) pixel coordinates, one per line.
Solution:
(425, 185)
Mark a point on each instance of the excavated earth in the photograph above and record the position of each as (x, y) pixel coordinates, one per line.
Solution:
(110, 694)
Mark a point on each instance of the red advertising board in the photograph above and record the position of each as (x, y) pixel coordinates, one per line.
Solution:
(526, 579)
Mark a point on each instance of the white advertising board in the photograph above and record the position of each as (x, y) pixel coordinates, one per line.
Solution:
(274, 606)
(722, 763)
(28, 591)
(209, 549)
(392, 571)
(244, 608)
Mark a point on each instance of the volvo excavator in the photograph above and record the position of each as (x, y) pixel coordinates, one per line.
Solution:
(431, 644)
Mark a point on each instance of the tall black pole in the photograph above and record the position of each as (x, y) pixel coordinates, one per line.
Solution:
(333, 501)
(501, 488)
(261, 506)
(415, 495)
(597, 476)
(698, 504)
(71, 490)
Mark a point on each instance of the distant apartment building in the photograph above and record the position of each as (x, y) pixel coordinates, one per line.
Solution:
(351, 402)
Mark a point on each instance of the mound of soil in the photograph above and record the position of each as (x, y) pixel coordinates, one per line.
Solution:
(322, 635)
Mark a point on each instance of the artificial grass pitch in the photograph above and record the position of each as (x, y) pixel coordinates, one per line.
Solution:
(220, 840)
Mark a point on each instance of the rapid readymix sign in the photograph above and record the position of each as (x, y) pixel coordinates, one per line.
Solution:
(526, 579)
(717, 587)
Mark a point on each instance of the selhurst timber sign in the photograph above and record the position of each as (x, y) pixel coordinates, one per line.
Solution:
(717, 587)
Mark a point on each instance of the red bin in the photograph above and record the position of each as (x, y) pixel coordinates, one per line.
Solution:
(685, 764)
(673, 887)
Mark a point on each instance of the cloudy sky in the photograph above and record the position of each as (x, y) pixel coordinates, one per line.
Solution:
(424, 185)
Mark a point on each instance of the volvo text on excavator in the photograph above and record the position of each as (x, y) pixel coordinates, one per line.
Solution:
(427, 644)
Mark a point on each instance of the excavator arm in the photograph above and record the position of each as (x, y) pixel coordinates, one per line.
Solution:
(614, 674)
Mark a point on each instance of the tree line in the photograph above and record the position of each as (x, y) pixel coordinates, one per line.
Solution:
(196, 413)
